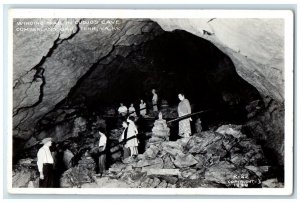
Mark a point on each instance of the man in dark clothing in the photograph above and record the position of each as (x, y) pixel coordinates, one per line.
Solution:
(102, 151)
(126, 150)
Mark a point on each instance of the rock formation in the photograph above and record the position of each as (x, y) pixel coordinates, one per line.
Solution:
(80, 174)
(25, 174)
(160, 130)
(207, 159)
(66, 59)
(222, 158)
(256, 47)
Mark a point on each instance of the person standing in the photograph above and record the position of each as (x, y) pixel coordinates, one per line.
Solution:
(126, 150)
(132, 142)
(131, 110)
(122, 110)
(102, 156)
(143, 109)
(45, 164)
(154, 100)
(184, 108)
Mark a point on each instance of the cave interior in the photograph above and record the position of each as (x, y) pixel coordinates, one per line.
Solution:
(172, 62)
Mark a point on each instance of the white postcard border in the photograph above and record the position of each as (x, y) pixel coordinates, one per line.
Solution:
(143, 13)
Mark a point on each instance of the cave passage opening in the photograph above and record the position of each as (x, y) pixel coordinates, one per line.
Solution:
(172, 62)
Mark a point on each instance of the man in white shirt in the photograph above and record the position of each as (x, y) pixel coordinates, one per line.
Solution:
(122, 110)
(45, 164)
(102, 156)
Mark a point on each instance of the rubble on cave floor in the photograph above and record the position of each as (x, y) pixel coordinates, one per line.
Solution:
(221, 158)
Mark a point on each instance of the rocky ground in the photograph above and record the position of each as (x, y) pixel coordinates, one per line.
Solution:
(222, 158)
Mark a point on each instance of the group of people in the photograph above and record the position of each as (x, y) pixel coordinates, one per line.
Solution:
(124, 111)
(128, 138)
(45, 160)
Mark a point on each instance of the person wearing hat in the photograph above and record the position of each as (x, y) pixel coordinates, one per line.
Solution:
(45, 164)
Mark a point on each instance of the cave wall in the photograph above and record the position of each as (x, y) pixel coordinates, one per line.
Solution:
(267, 127)
(256, 47)
(50, 64)
(172, 62)
(47, 67)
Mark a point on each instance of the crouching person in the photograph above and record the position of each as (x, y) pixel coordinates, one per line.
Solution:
(102, 152)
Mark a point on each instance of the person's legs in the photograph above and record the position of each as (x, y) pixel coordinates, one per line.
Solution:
(131, 151)
(184, 128)
(50, 176)
(135, 151)
(48, 181)
(181, 129)
(154, 106)
(126, 153)
(102, 162)
(42, 183)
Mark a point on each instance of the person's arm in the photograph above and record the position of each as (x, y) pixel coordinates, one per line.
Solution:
(104, 144)
(136, 133)
(135, 130)
(122, 136)
(40, 162)
(188, 107)
(100, 139)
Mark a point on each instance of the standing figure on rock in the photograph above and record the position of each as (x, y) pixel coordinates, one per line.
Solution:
(45, 164)
(102, 155)
(184, 108)
(132, 143)
(122, 110)
(154, 100)
(126, 150)
(142, 108)
(131, 110)
(198, 126)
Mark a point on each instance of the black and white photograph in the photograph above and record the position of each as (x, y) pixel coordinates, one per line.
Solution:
(151, 102)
